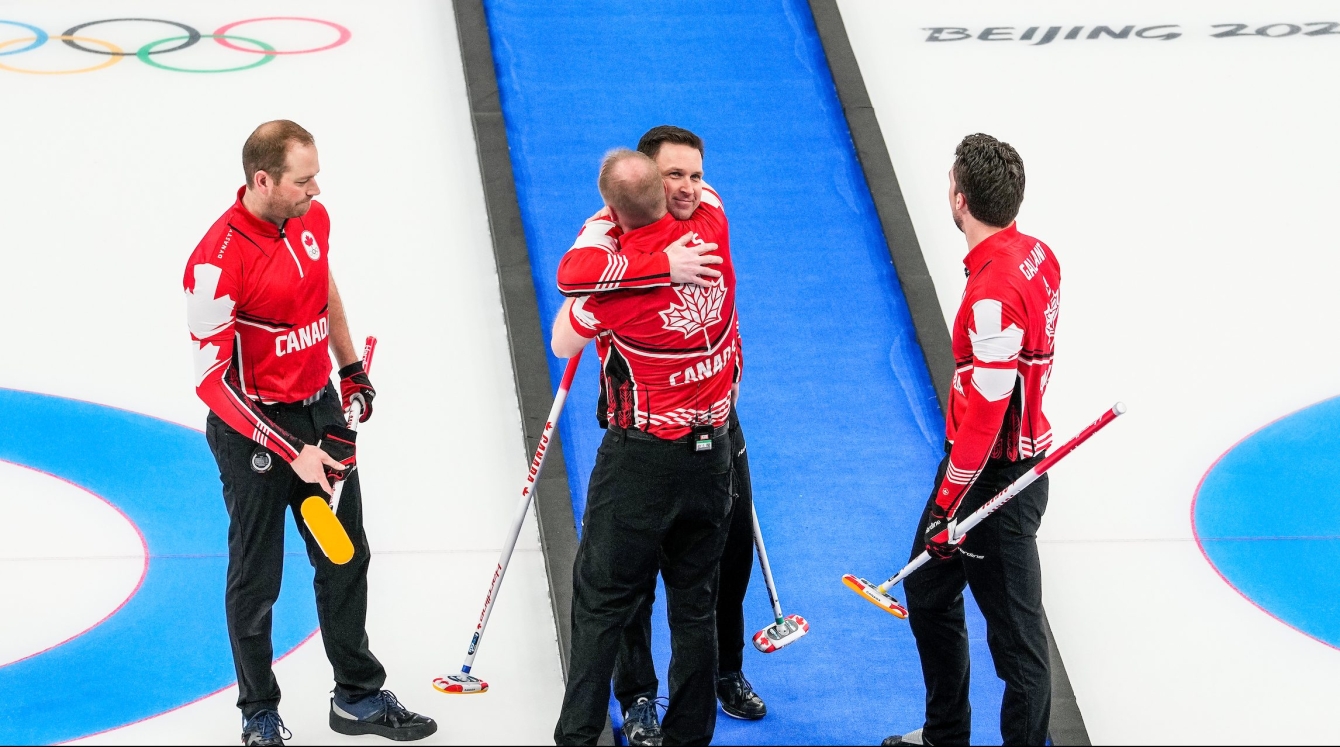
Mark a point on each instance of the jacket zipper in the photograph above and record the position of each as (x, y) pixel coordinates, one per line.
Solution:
(291, 253)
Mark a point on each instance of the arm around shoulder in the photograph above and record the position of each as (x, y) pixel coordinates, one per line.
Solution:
(571, 333)
(592, 269)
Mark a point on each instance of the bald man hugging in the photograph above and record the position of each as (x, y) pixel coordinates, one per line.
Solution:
(660, 493)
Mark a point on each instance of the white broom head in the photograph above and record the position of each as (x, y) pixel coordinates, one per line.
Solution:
(778, 635)
(460, 684)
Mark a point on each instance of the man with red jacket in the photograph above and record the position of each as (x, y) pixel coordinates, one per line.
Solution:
(660, 493)
(265, 316)
(596, 264)
(1003, 339)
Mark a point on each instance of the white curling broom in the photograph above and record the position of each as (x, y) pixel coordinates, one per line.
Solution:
(465, 683)
(879, 595)
(788, 628)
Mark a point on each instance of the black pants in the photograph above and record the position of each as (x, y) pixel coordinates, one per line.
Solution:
(650, 506)
(999, 562)
(256, 502)
(635, 671)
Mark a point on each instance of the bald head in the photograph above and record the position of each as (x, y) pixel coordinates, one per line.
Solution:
(631, 185)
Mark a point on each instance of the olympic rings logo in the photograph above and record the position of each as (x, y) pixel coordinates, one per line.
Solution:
(148, 53)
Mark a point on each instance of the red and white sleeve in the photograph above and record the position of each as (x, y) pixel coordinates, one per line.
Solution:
(594, 264)
(210, 314)
(712, 199)
(582, 316)
(997, 333)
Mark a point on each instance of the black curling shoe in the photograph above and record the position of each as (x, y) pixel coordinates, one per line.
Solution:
(738, 699)
(379, 714)
(641, 727)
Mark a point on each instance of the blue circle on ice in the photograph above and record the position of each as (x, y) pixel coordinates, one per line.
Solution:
(1267, 517)
(168, 645)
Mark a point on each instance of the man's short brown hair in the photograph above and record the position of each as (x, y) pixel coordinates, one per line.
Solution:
(267, 148)
(990, 174)
(637, 197)
(651, 143)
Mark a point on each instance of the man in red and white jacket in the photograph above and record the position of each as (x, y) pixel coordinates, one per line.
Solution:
(1004, 336)
(596, 264)
(265, 316)
(660, 493)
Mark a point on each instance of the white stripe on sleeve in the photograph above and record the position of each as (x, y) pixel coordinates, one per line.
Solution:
(584, 317)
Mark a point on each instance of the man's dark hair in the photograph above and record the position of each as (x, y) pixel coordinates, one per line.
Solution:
(651, 143)
(990, 174)
(267, 148)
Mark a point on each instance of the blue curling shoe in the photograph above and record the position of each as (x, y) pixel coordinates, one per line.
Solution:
(264, 729)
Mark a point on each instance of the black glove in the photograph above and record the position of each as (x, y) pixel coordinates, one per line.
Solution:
(937, 534)
(354, 383)
(338, 442)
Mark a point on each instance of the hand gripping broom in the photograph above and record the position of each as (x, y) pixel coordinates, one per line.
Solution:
(320, 516)
(879, 595)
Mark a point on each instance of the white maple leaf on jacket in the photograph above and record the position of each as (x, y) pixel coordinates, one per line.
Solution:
(207, 316)
(699, 308)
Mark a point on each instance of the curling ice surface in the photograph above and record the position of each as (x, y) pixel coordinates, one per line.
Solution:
(108, 271)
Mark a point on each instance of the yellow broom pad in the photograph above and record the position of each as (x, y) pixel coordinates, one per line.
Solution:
(327, 530)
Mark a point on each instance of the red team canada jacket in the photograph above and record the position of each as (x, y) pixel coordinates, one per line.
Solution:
(670, 353)
(1004, 336)
(596, 263)
(256, 302)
